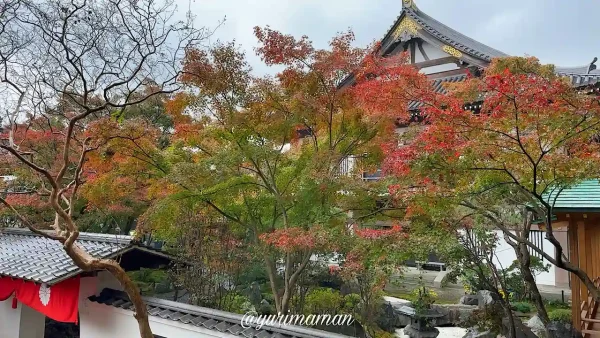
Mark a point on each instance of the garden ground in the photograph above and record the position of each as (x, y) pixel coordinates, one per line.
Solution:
(445, 332)
(401, 286)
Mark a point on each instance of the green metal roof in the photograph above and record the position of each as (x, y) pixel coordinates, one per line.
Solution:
(583, 197)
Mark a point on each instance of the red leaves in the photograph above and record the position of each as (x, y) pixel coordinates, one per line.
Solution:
(26, 200)
(368, 233)
(354, 264)
(176, 107)
(296, 239)
(334, 269)
(196, 67)
(280, 49)
(219, 71)
(525, 117)
(386, 86)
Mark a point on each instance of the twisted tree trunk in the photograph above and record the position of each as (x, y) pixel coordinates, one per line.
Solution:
(88, 263)
(524, 259)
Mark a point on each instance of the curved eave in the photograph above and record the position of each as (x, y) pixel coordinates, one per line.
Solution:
(589, 210)
(439, 34)
(582, 76)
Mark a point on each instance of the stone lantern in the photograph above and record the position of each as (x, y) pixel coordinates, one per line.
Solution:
(421, 324)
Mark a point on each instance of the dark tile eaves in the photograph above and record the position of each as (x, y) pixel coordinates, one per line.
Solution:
(220, 321)
(452, 37)
(31, 257)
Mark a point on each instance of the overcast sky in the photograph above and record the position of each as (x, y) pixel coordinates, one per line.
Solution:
(556, 31)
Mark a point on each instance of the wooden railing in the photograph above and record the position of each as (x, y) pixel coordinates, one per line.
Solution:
(590, 324)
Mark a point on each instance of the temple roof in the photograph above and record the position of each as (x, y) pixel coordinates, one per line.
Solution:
(439, 85)
(431, 28)
(31, 257)
(581, 76)
(414, 23)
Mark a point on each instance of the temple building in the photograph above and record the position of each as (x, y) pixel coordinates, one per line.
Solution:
(447, 56)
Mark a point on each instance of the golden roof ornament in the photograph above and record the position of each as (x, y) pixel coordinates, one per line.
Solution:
(407, 29)
(452, 51)
(408, 4)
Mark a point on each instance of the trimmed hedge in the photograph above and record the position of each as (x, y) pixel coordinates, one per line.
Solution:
(560, 315)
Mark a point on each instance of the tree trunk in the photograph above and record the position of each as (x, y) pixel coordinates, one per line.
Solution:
(286, 298)
(88, 263)
(285, 301)
(558, 260)
(272, 273)
(524, 258)
(512, 330)
(524, 263)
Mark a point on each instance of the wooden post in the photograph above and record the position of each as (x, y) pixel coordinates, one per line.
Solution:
(575, 283)
(582, 241)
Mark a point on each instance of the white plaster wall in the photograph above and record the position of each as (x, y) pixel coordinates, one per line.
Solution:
(433, 53)
(88, 286)
(506, 256)
(101, 321)
(33, 323)
(107, 280)
(10, 319)
(22, 322)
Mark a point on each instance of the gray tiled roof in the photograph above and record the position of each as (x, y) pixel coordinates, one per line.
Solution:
(581, 76)
(28, 256)
(453, 38)
(224, 322)
(445, 34)
(583, 80)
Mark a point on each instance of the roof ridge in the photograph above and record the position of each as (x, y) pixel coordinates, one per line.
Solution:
(83, 236)
(589, 69)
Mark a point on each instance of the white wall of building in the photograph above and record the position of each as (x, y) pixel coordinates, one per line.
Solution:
(22, 322)
(107, 280)
(505, 255)
(433, 53)
(9, 319)
(101, 321)
(33, 323)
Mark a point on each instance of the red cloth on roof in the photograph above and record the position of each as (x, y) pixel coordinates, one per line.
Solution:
(59, 302)
(8, 286)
